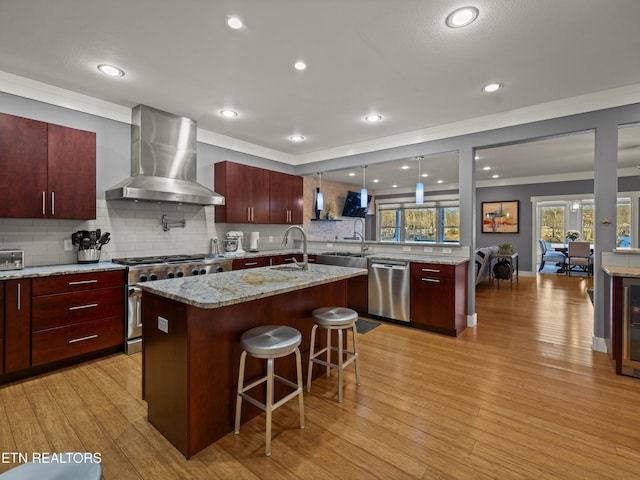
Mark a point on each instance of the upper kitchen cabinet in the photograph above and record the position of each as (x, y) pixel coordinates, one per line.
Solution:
(49, 171)
(257, 195)
(246, 193)
(285, 203)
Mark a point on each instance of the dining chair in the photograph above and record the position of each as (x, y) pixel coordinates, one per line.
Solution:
(579, 257)
(548, 254)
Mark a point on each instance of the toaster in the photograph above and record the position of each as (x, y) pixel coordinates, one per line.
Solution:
(11, 259)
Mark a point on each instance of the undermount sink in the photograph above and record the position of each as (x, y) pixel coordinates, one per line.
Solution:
(343, 259)
(287, 268)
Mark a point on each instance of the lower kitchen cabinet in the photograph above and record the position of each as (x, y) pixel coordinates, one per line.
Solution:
(439, 297)
(1, 327)
(242, 263)
(358, 294)
(17, 325)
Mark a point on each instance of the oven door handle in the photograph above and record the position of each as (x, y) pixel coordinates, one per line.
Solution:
(137, 293)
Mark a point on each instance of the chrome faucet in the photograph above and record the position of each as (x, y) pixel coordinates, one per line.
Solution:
(305, 257)
(363, 248)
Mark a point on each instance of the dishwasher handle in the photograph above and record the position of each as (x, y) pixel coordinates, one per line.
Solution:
(390, 265)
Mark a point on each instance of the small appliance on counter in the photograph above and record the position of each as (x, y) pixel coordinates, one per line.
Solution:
(254, 240)
(233, 243)
(11, 259)
(90, 244)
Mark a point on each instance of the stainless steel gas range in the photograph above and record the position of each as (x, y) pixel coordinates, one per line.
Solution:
(148, 269)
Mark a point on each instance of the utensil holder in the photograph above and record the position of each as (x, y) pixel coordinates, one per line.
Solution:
(89, 255)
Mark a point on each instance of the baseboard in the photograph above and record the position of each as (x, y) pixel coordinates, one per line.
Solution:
(598, 344)
(472, 320)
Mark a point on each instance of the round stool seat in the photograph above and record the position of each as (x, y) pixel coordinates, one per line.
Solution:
(334, 316)
(270, 341)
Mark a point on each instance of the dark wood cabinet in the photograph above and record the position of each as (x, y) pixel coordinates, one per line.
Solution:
(76, 314)
(48, 171)
(439, 297)
(1, 327)
(246, 193)
(257, 195)
(298, 257)
(358, 294)
(285, 199)
(243, 263)
(17, 325)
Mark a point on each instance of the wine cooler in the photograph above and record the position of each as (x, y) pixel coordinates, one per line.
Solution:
(631, 327)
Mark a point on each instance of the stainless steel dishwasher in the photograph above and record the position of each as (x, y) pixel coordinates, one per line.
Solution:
(390, 289)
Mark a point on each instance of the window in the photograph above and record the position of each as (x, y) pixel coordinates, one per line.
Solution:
(587, 229)
(429, 224)
(552, 223)
(623, 223)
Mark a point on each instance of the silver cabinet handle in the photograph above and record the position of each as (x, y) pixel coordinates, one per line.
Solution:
(248, 264)
(44, 203)
(252, 214)
(19, 296)
(53, 203)
(81, 307)
(432, 280)
(82, 339)
(83, 282)
(433, 270)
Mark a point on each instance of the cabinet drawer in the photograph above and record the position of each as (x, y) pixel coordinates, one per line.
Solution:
(240, 264)
(433, 270)
(48, 311)
(65, 342)
(76, 282)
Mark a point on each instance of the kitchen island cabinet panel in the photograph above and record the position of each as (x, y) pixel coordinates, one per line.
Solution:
(17, 319)
(76, 339)
(23, 163)
(190, 372)
(246, 193)
(48, 171)
(1, 328)
(439, 297)
(285, 199)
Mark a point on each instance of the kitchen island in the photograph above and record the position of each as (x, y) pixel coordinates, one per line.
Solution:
(191, 341)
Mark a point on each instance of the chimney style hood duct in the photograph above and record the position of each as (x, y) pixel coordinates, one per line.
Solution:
(163, 161)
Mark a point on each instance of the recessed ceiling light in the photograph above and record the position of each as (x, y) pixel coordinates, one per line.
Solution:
(492, 87)
(111, 70)
(440, 181)
(352, 174)
(373, 118)
(477, 157)
(300, 65)
(495, 176)
(405, 167)
(462, 17)
(394, 186)
(425, 175)
(228, 113)
(234, 22)
(486, 168)
(296, 138)
(376, 180)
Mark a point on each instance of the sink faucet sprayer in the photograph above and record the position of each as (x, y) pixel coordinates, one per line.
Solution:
(356, 233)
(305, 256)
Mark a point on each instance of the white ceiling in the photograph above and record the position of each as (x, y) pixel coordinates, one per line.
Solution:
(395, 58)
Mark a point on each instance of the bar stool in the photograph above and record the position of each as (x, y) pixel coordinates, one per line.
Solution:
(334, 318)
(269, 342)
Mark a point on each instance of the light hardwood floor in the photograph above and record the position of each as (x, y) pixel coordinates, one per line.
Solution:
(520, 396)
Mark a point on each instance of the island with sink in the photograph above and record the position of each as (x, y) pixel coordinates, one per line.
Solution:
(191, 341)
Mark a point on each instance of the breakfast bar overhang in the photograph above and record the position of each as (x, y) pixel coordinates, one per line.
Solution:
(191, 341)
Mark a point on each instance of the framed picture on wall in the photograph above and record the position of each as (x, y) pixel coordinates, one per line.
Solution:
(500, 217)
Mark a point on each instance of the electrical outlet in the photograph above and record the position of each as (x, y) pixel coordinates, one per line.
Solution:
(163, 324)
(446, 250)
(270, 238)
(428, 249)
(406, 249)
(68, 246)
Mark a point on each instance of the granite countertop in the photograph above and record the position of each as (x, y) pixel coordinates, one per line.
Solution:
(620, 271)
(48, 270)
(228, 288)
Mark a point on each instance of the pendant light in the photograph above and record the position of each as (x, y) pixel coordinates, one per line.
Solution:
(363, 192)
(319, 195)
(419, 185)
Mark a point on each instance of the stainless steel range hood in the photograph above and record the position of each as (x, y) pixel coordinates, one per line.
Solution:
(163, 161)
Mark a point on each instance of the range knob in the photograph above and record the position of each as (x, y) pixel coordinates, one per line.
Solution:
(143, 278)
(153, 276)
(203, 271)
(180, 274)
(171, 275)
(195, 272)
(219, 269)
